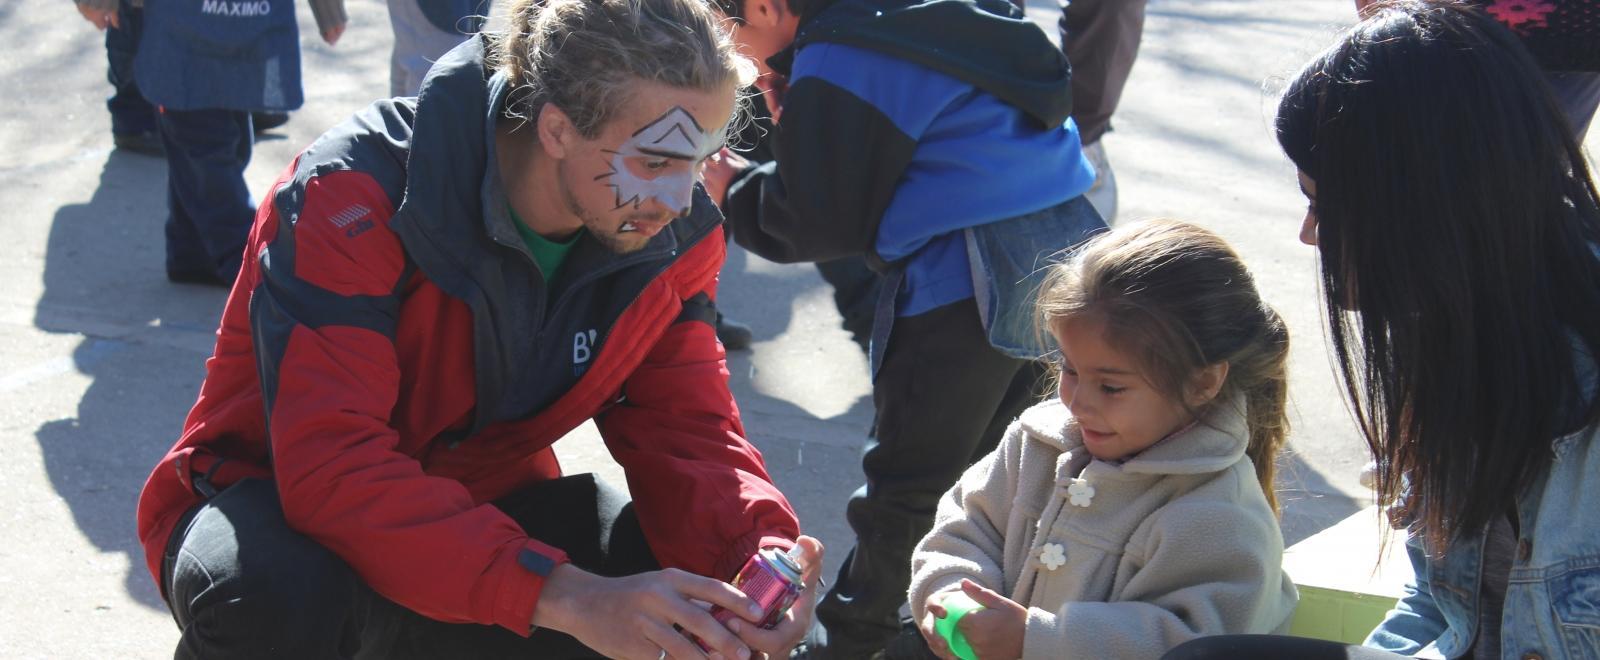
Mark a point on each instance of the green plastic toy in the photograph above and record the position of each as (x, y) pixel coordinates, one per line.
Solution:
(956, 605)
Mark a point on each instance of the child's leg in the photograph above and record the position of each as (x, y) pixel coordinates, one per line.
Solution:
(209, 209)
(133, 119)
(938, 396)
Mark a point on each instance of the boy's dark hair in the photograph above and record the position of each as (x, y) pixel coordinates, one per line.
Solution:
(1457, 224)
(734, 9)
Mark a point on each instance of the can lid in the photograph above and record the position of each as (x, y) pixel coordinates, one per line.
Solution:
(788, 563)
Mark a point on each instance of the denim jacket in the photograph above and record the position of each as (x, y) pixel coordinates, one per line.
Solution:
(1552, 604)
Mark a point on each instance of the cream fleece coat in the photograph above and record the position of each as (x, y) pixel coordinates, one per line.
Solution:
(1174, 544)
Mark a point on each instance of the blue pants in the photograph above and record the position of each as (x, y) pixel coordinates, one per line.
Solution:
(130, 112)
(209, 209)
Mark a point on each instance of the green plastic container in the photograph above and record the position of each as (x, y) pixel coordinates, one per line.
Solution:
(956, 605)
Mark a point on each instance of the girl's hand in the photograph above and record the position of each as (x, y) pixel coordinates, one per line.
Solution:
(935, 611)
(996, 631)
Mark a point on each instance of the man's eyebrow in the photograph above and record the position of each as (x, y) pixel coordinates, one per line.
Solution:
(659, 153)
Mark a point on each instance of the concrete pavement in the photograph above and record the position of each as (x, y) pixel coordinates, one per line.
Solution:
(100, 357)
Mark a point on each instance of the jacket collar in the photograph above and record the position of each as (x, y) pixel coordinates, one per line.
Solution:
(1214, 443)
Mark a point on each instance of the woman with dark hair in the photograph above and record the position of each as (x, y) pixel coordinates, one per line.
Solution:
(1457, 226)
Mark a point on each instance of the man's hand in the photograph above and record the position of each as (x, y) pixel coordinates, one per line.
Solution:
(777, 642)
(100, 17)
(719, 171)
(994, 632)
(634, 617)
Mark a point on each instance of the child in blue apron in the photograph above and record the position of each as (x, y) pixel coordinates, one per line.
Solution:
(207, 64)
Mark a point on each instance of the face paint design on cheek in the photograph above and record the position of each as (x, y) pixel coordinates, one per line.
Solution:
(674, 136)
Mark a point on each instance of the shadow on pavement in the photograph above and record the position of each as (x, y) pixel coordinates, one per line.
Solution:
(104, 279)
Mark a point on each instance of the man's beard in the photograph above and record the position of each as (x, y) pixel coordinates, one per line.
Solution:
(609, 235)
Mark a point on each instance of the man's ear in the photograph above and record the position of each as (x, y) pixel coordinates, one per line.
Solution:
(1207, 384)
(556, 131)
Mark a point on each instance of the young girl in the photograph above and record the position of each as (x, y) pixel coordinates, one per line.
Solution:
(1135, 512)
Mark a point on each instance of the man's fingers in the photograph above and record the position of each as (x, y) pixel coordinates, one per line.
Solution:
(699, 623)
(775, 641)
(716, 593)
(811, 551)
(673, 642)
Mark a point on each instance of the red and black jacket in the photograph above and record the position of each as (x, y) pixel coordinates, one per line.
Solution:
(394, 360)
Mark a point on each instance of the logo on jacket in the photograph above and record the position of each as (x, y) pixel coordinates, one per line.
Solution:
(354, 220)
(583, 345)
(231, 8)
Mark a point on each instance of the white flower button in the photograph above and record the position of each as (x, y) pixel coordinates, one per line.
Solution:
(1052, 555)
(1080, 493)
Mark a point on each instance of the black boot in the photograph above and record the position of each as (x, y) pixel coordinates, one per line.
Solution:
(735, 336)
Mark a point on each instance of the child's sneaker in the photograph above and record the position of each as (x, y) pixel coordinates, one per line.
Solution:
(145, 143)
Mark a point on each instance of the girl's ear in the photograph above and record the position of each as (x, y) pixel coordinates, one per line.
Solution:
(1207, 384)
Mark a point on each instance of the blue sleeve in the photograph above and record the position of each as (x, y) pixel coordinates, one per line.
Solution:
(1415, 622)
(850, 124)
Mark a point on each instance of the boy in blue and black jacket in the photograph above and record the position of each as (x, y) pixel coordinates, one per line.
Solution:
(933, 138)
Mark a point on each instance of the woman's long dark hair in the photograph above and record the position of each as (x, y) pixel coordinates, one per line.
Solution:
(1457, 232)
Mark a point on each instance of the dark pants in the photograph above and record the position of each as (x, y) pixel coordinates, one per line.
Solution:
(130, 112)
(944, 397)
(208, 204)
(1101, 39)
(1271, 647)
(241, 584)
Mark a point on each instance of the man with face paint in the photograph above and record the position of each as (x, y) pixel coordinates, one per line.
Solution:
(436, 291)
